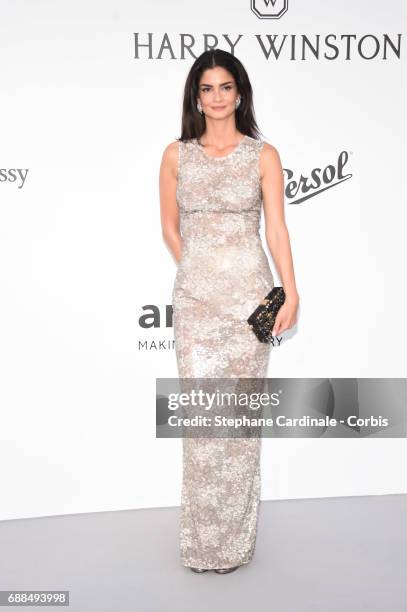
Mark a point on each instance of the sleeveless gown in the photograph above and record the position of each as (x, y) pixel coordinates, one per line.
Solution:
(222, 276)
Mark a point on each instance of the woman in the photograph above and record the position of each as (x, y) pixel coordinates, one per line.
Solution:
(213, 181)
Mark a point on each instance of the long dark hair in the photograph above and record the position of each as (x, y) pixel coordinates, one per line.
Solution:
(193, 123)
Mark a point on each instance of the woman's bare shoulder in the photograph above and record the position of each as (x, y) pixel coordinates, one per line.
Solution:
(269, 150)
(170, 156)
(171, 150)
(269, 159)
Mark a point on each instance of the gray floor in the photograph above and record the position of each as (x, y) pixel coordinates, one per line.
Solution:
(319, 555)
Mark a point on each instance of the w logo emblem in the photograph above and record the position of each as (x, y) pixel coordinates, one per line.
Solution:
(269, 9)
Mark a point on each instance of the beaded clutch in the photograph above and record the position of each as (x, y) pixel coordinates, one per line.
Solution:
(263, 318)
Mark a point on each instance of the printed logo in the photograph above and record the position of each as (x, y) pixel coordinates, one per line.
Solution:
(303, 188)
(14, 175)
(269, 9)
(154, 317)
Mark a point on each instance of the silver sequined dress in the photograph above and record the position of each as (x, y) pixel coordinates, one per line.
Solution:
(222, 276)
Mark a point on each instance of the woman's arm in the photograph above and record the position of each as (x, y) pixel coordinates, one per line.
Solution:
(278, 240)
(168, 202)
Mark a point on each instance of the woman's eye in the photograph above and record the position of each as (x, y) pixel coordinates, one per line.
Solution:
(206, 89)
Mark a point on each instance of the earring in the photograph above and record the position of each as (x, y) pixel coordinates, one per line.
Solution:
(199, 106)
(237, 103)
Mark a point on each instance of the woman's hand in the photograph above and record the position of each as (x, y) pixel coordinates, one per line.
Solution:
(286, 316)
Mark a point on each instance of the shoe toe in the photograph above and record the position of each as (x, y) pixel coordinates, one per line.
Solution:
(226, 570)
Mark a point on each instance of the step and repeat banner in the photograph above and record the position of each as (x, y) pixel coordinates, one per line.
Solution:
(91, 95)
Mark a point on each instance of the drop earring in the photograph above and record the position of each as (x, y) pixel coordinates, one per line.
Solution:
(237, 103)
(199, 106)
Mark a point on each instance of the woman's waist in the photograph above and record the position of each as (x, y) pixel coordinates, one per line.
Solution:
(221, 235)
(215, 225)
(245, 255)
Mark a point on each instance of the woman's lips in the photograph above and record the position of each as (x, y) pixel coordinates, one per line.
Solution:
(218, 107)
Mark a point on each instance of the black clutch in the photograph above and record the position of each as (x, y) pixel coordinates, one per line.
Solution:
(263, 318)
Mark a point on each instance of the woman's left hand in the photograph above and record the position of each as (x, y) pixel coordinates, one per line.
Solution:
(286, 316)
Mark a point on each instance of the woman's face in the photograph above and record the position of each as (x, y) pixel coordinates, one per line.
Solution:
(217, 93)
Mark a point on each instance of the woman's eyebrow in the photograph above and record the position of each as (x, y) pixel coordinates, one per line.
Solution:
(208, 85)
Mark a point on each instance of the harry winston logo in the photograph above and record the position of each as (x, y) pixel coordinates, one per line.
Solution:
(269, 9)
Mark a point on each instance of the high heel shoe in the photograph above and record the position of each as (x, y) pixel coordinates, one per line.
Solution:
(226, 570)
(198, 570)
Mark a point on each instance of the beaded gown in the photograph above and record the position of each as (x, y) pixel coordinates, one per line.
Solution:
(222, 276)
